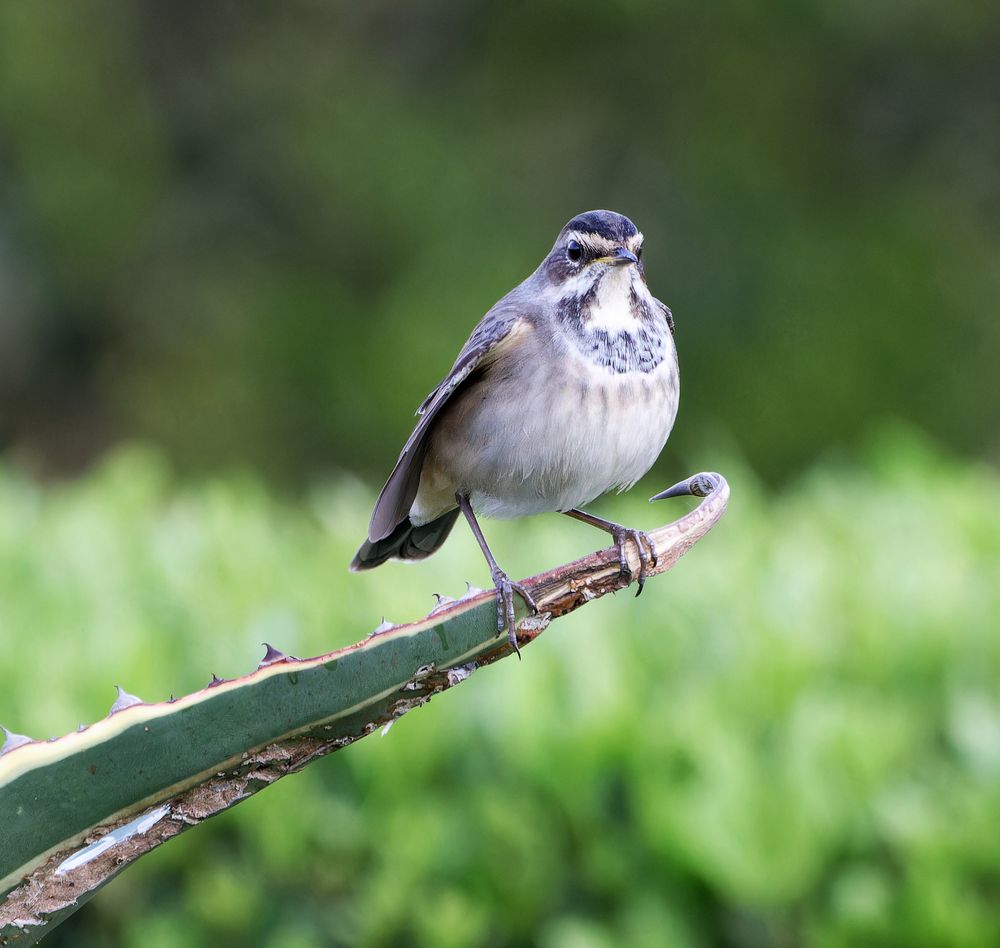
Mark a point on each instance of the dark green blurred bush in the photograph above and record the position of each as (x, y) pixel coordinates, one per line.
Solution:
(793, 738)
(261, 234)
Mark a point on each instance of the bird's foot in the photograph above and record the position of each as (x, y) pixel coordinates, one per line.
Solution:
(645, 547)
(506, 588)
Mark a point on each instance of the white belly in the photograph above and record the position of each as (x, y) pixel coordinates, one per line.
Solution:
(590, 431)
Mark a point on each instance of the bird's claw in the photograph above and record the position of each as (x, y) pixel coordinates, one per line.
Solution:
(646, 549)
(506, 588)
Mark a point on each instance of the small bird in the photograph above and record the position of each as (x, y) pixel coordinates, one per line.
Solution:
(566, 389)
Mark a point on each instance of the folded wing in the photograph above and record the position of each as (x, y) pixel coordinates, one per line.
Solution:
(497, 330)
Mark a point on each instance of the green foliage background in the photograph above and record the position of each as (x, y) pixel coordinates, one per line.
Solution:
(252, 237)
(260, 233)
(793, 738)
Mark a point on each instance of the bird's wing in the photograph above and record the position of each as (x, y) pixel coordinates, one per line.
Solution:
(498, 330)
(669, 316)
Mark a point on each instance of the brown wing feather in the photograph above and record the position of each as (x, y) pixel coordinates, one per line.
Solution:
(500, 324)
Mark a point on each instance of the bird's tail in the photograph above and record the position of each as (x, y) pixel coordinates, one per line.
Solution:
(406, 542)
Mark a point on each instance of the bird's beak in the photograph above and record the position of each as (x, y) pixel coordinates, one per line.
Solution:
(621, 256)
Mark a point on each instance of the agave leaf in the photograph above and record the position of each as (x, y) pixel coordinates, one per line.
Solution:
(76, 810)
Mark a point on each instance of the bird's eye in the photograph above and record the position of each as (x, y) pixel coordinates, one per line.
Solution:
(574, 251)
(638, 252)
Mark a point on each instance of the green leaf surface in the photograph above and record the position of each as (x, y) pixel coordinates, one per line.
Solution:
(74, 811)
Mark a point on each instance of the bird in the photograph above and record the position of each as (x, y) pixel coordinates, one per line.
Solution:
(567, 388)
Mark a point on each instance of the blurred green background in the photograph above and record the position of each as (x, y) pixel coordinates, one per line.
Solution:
(239, 243)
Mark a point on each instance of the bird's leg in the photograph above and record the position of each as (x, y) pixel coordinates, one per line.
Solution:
(621, 534)
(504, 585)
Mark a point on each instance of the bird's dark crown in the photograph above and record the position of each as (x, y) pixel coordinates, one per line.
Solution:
(606, 224)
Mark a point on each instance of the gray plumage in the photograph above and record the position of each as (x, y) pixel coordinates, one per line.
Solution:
(567, 388)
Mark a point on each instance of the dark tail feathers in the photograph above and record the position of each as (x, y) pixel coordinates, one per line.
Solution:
(406, 542)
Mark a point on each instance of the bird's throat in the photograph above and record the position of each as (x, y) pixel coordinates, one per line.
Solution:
(613, 303)
(614, 324)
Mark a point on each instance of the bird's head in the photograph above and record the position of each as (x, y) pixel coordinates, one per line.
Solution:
(592, 245)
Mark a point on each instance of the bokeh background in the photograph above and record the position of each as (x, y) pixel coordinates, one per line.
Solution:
(238, 244)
